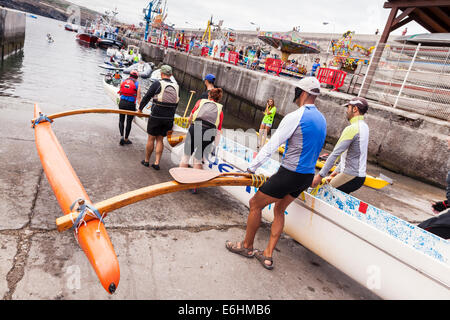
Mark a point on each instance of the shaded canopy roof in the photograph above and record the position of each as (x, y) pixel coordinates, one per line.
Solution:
(289, 42)
(433, 15)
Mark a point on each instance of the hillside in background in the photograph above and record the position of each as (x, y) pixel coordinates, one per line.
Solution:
(55, 9)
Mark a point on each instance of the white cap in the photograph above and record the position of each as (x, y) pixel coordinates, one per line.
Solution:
(310, 85)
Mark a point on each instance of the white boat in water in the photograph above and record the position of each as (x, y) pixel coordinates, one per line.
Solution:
(143, 68)
(389, 256)
(156, 75)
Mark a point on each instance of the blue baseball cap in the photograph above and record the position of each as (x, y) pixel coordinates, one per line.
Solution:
(210, 77)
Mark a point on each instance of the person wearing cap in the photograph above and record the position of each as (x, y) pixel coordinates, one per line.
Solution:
(130, 94)
(209, 84)
(315, 66)
(304, 131)
(352, 148)
(166, 96)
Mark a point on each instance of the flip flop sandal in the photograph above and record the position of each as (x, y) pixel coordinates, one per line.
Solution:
(261, 258)
(242, 251)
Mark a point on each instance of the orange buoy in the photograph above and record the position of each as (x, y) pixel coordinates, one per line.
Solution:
(66, 185)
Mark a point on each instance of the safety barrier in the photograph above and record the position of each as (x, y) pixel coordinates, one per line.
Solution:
(205, 51)
(233, 58)
(274, 65)
(332, 77)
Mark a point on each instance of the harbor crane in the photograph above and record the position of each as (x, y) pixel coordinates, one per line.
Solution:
(154, 7)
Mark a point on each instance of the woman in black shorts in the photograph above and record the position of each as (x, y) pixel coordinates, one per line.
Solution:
(205, 126)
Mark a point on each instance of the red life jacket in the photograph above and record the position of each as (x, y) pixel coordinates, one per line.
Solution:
(128, 88)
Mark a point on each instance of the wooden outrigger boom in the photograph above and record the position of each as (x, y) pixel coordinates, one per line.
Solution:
(228, 179)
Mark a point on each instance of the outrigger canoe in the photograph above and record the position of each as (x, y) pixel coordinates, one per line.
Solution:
(389, 256)
(66, 185)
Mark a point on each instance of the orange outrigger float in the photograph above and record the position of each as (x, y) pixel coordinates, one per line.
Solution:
(66, 185)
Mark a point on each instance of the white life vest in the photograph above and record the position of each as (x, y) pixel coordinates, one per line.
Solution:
(209, 111)
(169, 95)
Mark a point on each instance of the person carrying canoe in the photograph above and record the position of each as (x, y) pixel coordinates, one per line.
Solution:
(130, 93)
(165, 94)
(440, 225)
(266, 124)
(352, 148)
(304, 131)
(205, 125)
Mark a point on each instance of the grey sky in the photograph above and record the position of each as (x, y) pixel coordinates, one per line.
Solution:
(361, 16)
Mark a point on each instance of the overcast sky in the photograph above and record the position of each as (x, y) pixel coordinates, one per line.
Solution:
(361, 16)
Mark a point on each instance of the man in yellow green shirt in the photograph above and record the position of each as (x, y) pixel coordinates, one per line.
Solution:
(352, 149)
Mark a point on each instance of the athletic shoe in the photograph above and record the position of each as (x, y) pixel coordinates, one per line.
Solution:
(127, 142)
(145, 163)
(155, 166)
(122, 142)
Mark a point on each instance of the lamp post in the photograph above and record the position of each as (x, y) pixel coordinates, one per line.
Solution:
(257, 26)
(331, 38)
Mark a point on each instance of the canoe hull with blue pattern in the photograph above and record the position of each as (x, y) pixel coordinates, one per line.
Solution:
(389, 256)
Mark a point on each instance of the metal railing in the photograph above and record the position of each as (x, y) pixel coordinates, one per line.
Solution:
(412, 78)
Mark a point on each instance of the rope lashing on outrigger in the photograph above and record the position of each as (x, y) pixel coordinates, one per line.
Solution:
(42, 118)
(319, 186)
(84, 209)
(258, 180)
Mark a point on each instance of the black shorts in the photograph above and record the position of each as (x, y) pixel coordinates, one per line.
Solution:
(285, 182)
(127, 105)
(201, 145)
(159, 127)
(352, 185)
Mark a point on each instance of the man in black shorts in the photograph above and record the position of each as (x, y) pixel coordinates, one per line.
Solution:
(165, 94)
(303, 131)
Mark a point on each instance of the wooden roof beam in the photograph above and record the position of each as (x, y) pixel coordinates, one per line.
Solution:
(417, 4)
(400, 17)
(441, 15)
(401, 23)
(430, 21)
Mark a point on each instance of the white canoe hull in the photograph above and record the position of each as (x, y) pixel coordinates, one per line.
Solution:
(374, 258)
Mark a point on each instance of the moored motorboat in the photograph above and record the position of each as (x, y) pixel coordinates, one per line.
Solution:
(143, 68)
(71, 27)
(86, 37)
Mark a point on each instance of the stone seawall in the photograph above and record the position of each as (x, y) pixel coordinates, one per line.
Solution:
(401, 141)
(12, 32)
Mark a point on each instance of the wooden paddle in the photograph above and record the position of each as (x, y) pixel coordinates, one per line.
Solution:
(175, 137)
(190, 175)
(86, 111)
(228, 179)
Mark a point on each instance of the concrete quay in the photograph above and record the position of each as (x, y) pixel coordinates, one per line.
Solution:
(401, 141)
(12, 32)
